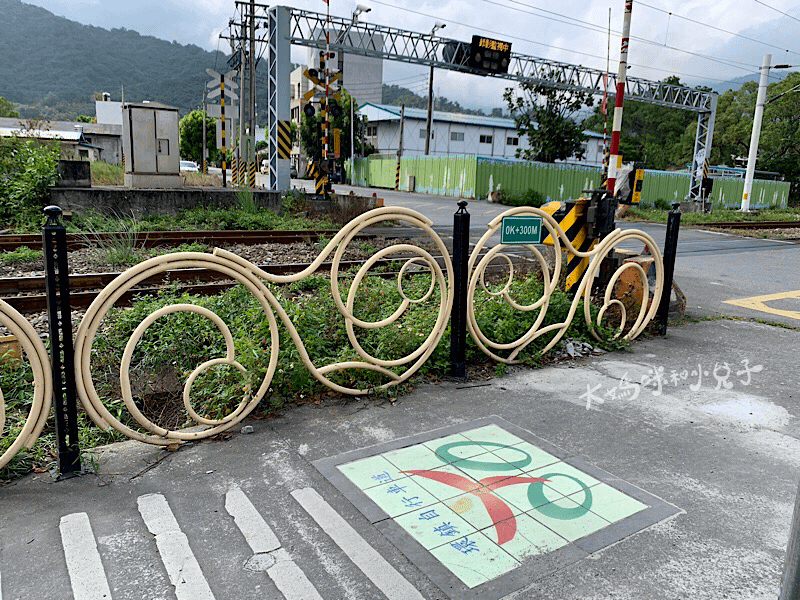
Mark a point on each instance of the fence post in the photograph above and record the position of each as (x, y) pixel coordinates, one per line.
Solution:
(54, 240)
(670, 249)
(458, 317)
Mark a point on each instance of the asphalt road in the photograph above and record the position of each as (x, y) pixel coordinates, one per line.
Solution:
(698, 430)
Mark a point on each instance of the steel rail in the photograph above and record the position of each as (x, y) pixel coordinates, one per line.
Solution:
(152, 239)
(753, 224)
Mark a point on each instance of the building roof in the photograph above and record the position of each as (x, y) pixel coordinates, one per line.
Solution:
(88, 128)
(41, 134)
(387, 112)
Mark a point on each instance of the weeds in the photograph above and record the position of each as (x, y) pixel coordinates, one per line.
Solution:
(22, 254)
(121, 247)
(104, 173)
(246, 200)
(528, 198)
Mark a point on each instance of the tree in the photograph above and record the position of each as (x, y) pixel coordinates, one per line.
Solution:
(191, 137)
(7, 109)
(654, 135)
(311, 128)
(545, 115)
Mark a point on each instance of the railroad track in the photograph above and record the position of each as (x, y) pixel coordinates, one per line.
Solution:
(755, 225)
(27, 294)
(152, 239)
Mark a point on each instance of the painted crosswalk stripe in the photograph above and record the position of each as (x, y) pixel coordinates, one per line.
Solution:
(393, 585)
(173, 546)
(85, 569)
(285, 574)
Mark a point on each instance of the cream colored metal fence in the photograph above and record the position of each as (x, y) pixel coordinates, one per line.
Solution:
(34, 351)
(479, 261)
(256, 281)
(253, 278)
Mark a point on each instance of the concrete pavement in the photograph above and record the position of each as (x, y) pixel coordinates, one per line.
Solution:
(701, 425)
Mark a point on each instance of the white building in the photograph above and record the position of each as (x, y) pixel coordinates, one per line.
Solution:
(454, 134)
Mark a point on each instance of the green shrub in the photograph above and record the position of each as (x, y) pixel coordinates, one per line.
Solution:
(27, 169)
(528, 198)
(20, 255)
(662, 204)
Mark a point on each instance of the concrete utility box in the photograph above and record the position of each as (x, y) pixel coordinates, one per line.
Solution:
(150, 143)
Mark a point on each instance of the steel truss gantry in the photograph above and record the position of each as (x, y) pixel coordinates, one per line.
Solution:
(389, 43)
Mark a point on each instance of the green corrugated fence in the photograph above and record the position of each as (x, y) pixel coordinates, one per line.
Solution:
(477, 176)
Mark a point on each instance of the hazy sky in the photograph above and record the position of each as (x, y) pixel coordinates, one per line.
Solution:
(700, 41)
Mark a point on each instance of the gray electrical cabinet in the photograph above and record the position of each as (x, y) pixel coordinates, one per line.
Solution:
(150, 145)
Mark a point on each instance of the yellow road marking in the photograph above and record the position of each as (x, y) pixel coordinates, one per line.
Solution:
(759, 303)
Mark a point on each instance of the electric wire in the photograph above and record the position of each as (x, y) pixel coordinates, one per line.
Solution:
(778, 11)
(732, 64)
(720, 29)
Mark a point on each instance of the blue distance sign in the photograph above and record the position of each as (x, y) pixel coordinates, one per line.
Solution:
(521, 230)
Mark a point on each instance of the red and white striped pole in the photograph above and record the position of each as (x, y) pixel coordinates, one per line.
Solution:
(614, 159)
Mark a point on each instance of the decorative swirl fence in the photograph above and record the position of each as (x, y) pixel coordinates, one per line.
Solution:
(256, 281)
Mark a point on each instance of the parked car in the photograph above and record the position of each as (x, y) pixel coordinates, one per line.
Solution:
(189, 165)
(293, 172)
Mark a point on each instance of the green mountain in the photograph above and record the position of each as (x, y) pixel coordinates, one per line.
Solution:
(53, 67)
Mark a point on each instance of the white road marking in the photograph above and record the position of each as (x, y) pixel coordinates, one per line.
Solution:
(173, 546)
(85, 568)
(365, 557)
(255, 530)
(290, 579)
(285, 574)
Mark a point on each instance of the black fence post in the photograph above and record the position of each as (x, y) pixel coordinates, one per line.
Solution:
(670, 250)
(54, 240)
(458, 318)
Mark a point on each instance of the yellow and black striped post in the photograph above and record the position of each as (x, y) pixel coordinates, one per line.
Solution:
(319, 178)
(235, 170)
(573, 222)
(222, 129)
(252, 173)
(284, 139)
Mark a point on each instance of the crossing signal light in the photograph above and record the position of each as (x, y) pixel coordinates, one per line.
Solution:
(488, 55)
(309, 110)
(336, 110)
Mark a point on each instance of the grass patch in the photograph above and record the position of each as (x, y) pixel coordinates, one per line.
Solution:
(104, 173)
(202, 218)
(657, 215)
(22, 254)
(197, 179)
(528, 198)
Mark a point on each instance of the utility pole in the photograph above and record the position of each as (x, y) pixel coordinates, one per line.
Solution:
(400, 146)
(430, 97)
(252, 89)
(352, 142)
(204, 164)
(756, 133)
(430, 114)
(241, 168)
